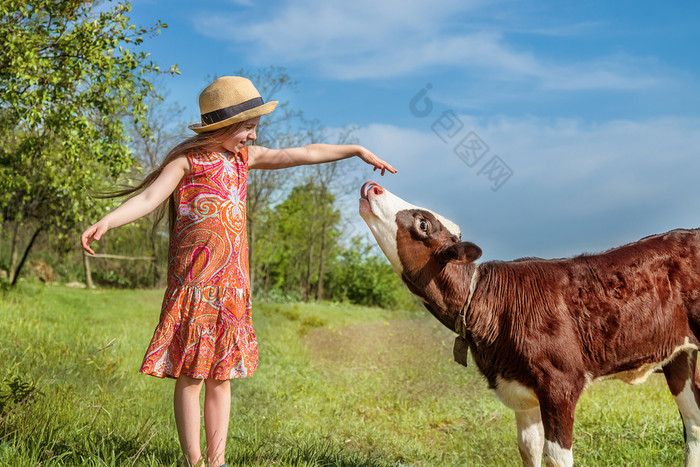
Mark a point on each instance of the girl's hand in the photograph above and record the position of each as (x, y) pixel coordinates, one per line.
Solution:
(369, 157)
(93, 233)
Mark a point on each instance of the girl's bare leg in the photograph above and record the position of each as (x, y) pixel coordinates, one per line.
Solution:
(217, 411)
(186, 404)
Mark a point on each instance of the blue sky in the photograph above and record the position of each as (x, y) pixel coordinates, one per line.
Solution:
(542, 128)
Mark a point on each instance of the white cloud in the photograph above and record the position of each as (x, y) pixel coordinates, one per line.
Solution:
(565, 30)
(370, 39)
(576, 187)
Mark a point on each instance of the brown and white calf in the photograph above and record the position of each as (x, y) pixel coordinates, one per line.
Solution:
(541, 330)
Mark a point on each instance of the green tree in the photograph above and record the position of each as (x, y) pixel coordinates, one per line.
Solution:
(288, 127)
(285, 127)
(362, 276)
(292, 234)
(66, 73)
(166, 129)
(333, 179)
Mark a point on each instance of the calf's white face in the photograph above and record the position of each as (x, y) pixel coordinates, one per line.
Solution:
(409, 236)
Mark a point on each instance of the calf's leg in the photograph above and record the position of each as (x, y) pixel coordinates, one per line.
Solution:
(530, 436)
(684, 382)
(558, 422)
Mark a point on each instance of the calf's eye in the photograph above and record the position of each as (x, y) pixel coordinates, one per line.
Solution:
(423, 226)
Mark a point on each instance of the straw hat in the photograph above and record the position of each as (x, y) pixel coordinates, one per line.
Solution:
(228, 100)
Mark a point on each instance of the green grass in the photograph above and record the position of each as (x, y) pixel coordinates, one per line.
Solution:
(337, 385)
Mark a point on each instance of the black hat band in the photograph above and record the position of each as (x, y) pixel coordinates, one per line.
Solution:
(216, 116)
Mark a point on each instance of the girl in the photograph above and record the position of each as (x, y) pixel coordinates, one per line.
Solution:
(205, 333)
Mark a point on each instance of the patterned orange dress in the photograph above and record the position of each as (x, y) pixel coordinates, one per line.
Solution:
(205, 328)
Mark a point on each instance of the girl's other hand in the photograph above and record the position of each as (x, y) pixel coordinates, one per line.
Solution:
(93, 233)
(369, 157)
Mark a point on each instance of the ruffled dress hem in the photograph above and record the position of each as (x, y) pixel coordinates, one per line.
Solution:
(205, 332)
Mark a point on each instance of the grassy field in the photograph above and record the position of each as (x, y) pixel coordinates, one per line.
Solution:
(337, 385)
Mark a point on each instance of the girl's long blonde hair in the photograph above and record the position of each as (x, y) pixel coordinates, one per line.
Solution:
(210, 141)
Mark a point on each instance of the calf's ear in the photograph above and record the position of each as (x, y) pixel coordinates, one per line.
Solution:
(461, 253)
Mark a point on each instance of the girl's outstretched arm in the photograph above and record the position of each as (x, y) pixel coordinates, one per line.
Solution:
(140, 205)
(264, 158)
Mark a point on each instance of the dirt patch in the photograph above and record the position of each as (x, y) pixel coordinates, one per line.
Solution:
(408, 360)
(417, 342)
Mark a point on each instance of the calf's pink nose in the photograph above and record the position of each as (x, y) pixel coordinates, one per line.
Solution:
(370, 186)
